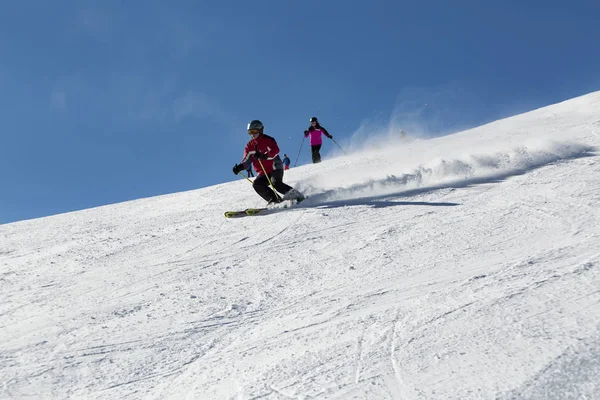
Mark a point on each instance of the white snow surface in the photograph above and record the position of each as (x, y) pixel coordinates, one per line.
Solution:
(461, 267)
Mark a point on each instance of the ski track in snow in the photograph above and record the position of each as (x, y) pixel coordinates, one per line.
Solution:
(462, 267)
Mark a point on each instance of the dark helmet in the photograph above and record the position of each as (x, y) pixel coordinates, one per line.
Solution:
(256, 124)
(314, 119)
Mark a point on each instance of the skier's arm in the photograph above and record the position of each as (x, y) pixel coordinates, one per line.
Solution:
(247, 159)
(243, 166)
(326, 133)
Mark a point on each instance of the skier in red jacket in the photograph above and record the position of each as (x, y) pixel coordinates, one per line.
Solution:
(262, 152)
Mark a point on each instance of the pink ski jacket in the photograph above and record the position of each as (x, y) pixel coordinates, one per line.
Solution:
(315, 133)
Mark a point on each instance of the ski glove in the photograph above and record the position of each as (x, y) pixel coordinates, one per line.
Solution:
(330, 136)
(306, 133)
(237, 168)
(260, 156)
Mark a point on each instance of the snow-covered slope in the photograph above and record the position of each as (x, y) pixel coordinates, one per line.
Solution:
(463, 267)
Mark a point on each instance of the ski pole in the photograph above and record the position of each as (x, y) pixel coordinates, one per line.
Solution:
(296, 163)
(339, 146)
(269, 179)
(247, 178)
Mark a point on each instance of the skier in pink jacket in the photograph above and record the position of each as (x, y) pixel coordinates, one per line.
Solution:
(316, 140)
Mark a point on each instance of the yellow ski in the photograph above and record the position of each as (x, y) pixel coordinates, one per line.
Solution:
(246, 213)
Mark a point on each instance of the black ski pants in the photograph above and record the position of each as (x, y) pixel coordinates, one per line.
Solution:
(262, 187)
(316, 155)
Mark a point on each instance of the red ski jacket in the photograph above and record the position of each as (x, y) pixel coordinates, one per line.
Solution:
(264, 144)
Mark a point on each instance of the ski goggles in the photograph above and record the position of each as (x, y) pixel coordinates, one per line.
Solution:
(253, 131)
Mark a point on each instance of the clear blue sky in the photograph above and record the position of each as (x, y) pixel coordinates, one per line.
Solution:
(106, 101)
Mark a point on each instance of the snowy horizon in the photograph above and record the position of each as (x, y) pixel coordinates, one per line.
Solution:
(459, 267)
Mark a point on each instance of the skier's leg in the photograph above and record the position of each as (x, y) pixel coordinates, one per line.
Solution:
(261, 186)
(316, 156)
(277, 181)
(289, 192)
